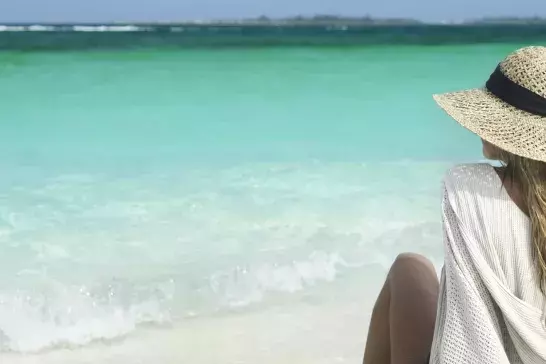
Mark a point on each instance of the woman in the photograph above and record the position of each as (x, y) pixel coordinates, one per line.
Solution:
(490, 305)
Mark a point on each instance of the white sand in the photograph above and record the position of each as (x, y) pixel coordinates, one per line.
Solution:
(308, 334)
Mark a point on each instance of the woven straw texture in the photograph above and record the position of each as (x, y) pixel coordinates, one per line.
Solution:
(497, 122)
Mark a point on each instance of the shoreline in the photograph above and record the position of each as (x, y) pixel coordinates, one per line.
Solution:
(268, 336)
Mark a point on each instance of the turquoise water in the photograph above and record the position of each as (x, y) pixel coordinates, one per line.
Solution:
(180, 200)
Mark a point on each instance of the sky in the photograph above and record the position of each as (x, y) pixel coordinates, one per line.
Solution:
(173, 10)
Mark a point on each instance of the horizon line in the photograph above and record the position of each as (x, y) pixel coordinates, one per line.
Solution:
(294, 18)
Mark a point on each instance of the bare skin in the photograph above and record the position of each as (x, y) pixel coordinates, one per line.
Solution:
(402, 324)
(403, 318)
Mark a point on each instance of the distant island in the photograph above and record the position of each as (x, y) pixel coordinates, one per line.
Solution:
(508, 20)
(319, 20)
(367, 20)
(296, 21)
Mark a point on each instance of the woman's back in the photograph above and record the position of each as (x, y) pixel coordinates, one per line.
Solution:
(485, 208)
(491, 306)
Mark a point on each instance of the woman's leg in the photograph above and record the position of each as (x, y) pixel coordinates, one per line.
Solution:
(403, 318)
(378, 345)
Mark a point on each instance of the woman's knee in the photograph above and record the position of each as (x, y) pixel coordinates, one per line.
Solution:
(413, 280)
(408, 264)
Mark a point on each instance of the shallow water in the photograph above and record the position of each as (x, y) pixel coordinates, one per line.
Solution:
(155, 204)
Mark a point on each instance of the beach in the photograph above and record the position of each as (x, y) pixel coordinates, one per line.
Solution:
(232, 205)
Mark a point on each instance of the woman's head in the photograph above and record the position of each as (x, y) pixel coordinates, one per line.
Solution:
(511, 109)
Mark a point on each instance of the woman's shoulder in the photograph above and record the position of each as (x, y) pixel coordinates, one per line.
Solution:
(472, 187)
(471, 177)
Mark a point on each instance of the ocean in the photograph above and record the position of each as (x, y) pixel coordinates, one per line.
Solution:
(164, 204)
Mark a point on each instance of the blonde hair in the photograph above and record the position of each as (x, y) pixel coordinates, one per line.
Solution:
(530, 176)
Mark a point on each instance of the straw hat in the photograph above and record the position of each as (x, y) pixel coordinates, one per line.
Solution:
(510, 111)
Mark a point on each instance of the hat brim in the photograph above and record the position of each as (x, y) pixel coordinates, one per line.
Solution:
(497, 122)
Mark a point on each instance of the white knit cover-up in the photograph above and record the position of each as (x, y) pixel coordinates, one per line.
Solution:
(490, 309)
